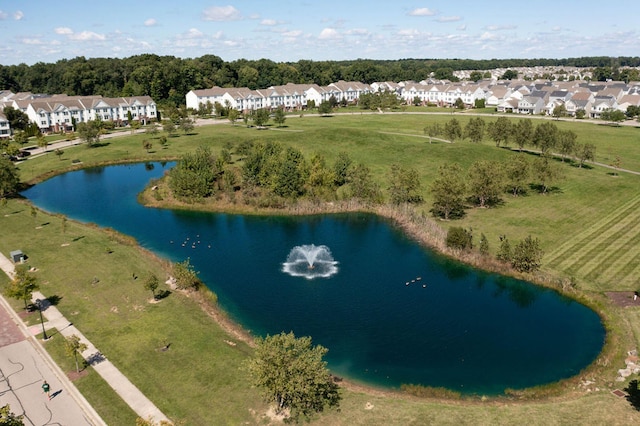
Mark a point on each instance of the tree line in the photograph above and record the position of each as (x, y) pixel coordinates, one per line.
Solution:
(167, 79)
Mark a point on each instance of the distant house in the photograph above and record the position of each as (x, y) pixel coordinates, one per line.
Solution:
(5, 128)
(531, 105)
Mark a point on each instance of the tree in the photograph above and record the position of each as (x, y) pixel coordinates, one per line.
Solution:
(42, 142)
(459, 103)
(527, 255)
(341, 168)
(523, 132)
(510, 75)
(361, 184)
(566, 143)
(516, 174)
(585, 152)
(233, 115)
(17, 119)
(559, 111)
(404, 185)
(486, 182)
(291, 373)
(186, 277)
(186, 125)
(22, 286)
(433, 130)
(613, 115)
(7, 418)
(474, 129)
(453, 129)
(90, 132)
(9, 178)
(448, 191)
(169, 127)
(151, 284)
(325, 108)
(545, 137)
(546, 172)
(504, 252)
(500, 130)
(279, 117)
(475, 76)
(459, 238)
(194, 176)
(260, 117)
(73, 346)
(484, 245)
(20, 137)
(147, 145)
(58, 152)
(292, 176)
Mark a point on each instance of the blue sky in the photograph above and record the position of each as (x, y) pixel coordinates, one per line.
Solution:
(291, 30)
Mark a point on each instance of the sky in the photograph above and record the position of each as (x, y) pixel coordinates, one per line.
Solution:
(291, 30)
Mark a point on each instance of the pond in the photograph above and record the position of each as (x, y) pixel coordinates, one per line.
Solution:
(389, 311)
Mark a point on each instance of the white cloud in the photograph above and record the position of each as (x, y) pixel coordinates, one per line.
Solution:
(31, 41)
(268, 22)
(328, 33)
(63, 31)
(449, 19)
(194, 33)
(230, 43)
(3, 15)
(151, 22)
(462, 27)
(294, 33)
(408, 33)
(357, 32)
(86, 36)
(500, 27)
(221, 13)
(422, 11)
(18, 15)
(489, 36)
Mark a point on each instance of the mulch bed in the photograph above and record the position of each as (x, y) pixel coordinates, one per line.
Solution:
(623, 298)
(73, 375)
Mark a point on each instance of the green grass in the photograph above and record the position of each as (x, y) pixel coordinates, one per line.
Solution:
(589, 227)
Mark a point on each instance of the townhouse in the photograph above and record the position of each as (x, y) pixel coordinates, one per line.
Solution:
(59, 113)
(5, 128)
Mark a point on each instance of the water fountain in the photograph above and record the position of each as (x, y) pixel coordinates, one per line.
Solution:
(310, 261)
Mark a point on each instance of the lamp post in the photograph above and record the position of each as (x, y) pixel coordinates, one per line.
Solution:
(44, 332)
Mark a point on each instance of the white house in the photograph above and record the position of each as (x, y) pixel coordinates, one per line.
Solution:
(5, 128)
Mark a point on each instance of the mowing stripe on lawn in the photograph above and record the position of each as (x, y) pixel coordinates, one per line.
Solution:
(613, 246)
(591, 249)
(626, 267)
(559, 256)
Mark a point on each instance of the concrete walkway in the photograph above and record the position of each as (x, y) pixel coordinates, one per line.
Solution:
(139, 403)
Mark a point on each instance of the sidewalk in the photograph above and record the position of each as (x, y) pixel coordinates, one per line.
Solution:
(143, 407)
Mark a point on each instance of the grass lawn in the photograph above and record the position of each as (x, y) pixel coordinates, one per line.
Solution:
(589, 228)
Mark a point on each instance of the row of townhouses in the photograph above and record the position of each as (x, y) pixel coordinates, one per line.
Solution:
(57, 113)
(520, 97)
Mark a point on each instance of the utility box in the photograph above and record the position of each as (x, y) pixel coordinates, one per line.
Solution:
(17, 256)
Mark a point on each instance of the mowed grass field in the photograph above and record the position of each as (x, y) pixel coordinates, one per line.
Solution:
(588, 227)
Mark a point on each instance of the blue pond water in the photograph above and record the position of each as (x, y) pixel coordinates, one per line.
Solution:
(455, 327)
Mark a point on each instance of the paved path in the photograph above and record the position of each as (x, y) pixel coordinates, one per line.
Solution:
(143, 407)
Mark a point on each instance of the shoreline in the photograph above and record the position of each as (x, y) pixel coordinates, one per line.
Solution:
(430, 235)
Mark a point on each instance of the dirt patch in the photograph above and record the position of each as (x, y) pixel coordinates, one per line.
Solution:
(623, 298)
(74, 375)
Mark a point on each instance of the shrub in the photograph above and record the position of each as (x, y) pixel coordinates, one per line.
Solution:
(459, 238)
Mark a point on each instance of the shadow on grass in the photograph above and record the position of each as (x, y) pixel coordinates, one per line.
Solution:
(78, 238)
(162, 295)
(633, 394)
